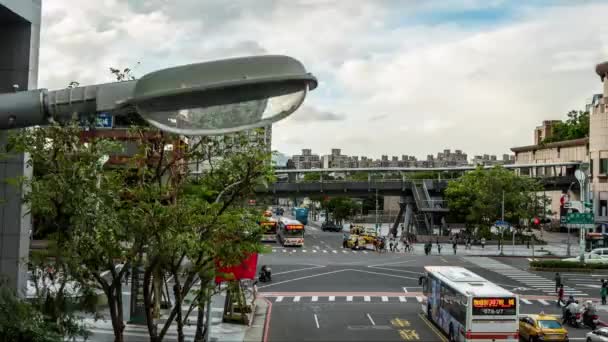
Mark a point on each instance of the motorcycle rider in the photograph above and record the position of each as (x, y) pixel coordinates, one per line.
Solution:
(589, 312)
(570, 309)
(265, 274)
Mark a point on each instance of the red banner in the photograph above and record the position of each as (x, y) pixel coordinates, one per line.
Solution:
(246, 270)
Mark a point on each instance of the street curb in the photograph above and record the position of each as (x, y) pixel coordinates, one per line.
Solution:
(257, 328)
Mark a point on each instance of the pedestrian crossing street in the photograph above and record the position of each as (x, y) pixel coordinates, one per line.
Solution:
(529, 279)
(406, 298)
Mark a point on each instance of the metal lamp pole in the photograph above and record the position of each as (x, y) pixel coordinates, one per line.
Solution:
(376, 211)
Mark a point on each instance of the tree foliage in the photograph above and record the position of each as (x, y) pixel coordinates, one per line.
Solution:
(476, 197)
(341, 207)
(576, 126)
(148, 212)
(21, 321)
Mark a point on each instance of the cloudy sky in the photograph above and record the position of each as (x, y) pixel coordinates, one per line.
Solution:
(396, 76)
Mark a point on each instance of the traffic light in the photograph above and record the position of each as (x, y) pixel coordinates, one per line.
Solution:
(536, 221)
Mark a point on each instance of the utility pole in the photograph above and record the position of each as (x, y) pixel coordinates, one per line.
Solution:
(376, 211)
(502, 219)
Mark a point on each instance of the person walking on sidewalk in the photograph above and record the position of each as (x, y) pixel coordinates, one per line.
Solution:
(483, 243)
(468, 245)
(454, 246)
(558, 281)
(603, 293)
(390, 245)
(438, 247)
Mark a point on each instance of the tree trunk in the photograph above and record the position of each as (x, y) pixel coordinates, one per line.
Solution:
(117, 325)
(200, 332)
(148, 303)
(178, 304)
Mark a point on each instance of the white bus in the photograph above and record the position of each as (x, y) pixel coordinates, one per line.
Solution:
(290, 232)
(468, 307)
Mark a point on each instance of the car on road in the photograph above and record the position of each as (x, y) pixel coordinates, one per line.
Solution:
(541, 328)
(331, 226)
(598, 335)
(589, 258)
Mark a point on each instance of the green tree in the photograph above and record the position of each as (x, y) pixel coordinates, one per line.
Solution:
(476, 197)
(576, 126)
(20, 321)
(341, 208)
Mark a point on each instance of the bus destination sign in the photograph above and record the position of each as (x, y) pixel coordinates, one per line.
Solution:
(494, 306)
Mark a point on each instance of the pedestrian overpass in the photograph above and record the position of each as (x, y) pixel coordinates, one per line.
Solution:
(422, 200)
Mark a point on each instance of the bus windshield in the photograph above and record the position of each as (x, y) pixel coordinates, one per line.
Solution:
(294, 232)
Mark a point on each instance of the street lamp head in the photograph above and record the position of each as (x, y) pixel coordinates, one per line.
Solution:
(198, 99)
(222, 96)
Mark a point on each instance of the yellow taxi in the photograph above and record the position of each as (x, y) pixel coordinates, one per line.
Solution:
(541, 328)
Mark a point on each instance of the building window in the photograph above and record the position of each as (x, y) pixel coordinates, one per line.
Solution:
(603, 207)
(603, 166)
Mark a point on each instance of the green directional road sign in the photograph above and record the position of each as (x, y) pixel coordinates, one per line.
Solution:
(580, 218)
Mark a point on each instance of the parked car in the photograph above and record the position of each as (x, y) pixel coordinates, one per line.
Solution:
(537, 327)
(598, 335)
(589, 258)
(330, 226)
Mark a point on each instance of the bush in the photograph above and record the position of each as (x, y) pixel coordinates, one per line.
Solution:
(20, 321)
(553, 263)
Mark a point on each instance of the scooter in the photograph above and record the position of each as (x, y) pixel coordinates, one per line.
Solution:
(265, 274)
(574, 319)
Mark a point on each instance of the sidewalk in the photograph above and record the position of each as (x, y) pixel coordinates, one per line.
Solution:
(221, 331)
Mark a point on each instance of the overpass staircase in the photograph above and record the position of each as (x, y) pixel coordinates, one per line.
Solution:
(422, 199)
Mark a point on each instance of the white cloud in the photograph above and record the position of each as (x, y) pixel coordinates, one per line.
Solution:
(400, 88)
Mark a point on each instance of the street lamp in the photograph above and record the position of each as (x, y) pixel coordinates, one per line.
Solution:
(209, 98)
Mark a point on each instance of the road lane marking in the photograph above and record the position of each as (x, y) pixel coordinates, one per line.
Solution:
(384, 298)
(284, 251)
(300, 269)
(314, 251)
(336, 252)
(370, 319)
(332, 298)
(293, 251)
(419, 299)
(395, 270)
(344, 252)
(405, 289)
(440, 335)
(402, 299)
(543, 302)
(279, 299)
(366, 298)
(349, 298)
(384, 274)
(315, 298)
(296, 298)
(304, 251)
(316, 320)
(525, 301)
(364, 252)
(304, 277)
(392, 263)
(324, 251)
(442, 259)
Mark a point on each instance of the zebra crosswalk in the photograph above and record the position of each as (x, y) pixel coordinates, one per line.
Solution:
(319, 299)
(524, 277)
(319, 251)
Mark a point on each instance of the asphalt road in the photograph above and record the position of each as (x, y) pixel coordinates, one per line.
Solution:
(321, 292)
